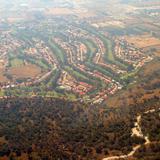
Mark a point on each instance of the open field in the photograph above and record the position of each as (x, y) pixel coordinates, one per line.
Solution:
(2, 71)
(109, 23)
(59, 11)
(26, 71)
(150, 68)
(81, 13)
(2, 77)
(143, 41)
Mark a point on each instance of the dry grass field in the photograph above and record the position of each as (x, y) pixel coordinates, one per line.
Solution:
(26, 71)
(109, 23)
(143, 41)
(59, 11)
(150, 68)
(81, 13)
(126, 98)
(2, 77)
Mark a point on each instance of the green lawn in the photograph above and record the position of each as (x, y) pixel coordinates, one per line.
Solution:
(91, 49)
(76, 74)
(109, 56)
(16, 62)
(129, 75)
(2, 93)
(57, 51)
(109, 53)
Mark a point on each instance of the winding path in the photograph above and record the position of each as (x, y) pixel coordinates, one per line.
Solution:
(136, 131)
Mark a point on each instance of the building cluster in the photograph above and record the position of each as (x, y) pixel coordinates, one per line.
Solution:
(41, 50)
(111, 85)
(67, 48)
(100, 56)
(101, 48)
(81, 51)
(66, 81)
(104, 93)
(8, 43)
(130, 54)
(75, 51)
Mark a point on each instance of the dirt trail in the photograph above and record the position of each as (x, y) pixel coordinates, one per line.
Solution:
(136, 131)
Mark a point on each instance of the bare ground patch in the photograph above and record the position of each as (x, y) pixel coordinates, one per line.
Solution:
(26, 71)
(143, 41)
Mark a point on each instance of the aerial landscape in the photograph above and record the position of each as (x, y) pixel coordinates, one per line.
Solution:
(79, 79)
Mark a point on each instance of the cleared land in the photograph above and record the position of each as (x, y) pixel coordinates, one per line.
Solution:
(59, 11)
(25, 71)
(109, 23)
(81, 13)
(2, 77)
(143, 41)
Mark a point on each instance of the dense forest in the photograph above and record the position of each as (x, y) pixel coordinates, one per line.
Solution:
(36, 128)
